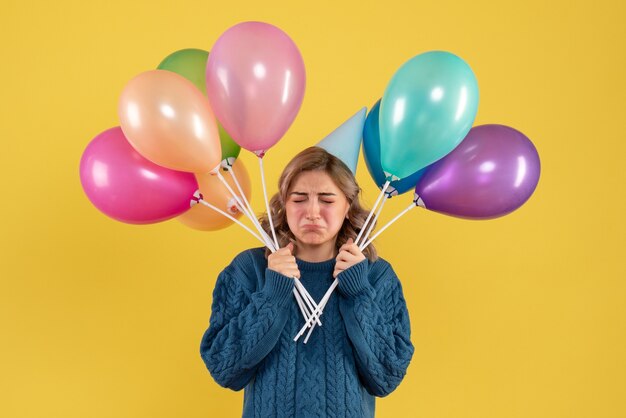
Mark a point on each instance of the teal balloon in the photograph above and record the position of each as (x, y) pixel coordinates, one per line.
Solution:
(371, 152)
(191, 64)
(427, 109)
(345, 141)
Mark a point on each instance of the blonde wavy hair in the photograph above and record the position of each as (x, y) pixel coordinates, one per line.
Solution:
(312, 159)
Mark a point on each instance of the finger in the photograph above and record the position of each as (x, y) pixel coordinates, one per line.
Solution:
(353, 249)
(341, 265)
(292, 273)
(286, 259)
(347, 257)
(287, 264)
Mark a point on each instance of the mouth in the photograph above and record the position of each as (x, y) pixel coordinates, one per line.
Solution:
(312, 227)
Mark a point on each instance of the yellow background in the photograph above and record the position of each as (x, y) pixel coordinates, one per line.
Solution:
(523, 316)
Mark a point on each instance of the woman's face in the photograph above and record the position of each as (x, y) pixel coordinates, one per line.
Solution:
(315, 208)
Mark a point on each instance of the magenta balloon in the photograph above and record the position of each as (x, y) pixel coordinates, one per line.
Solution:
(492, 172)
(129, 188)
(255, 81)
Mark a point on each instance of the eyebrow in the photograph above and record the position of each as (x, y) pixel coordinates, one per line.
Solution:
(306, 194)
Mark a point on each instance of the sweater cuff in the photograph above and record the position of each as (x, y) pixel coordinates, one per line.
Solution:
(353, 280)
(277, 287)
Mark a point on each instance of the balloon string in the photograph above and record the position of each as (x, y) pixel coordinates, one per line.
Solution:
(205, 203)
(388, 224)
(243, 208)
(241, 193)
(303, 310)
(308, 300)
(369, 230)
(323, 303)
(267, 205)
(306, 294)
(253, 218)
(380, 195)
(317, 312)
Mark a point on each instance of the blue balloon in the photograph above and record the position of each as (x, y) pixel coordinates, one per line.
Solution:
(371, 151)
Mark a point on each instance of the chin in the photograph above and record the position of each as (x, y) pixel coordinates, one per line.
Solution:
(311, 239)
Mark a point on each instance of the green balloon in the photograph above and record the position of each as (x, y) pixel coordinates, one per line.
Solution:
(230, 149)
(191, 64)
(428, 107)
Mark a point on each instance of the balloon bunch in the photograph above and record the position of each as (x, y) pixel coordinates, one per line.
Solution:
(419, 137)
(165, 159)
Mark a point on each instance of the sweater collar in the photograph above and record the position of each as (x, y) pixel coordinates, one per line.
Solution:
(316, 266)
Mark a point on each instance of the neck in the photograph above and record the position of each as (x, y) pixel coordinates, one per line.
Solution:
(315, 253)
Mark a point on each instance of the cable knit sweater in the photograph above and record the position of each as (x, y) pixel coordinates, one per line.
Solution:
(362, 349)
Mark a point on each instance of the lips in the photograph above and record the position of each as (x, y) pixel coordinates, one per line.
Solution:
(312, 227)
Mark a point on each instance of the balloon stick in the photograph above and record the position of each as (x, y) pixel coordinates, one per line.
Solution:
(250, 212)
(388, 224)
(373, 222)
(205, 203)
(380, 195)
(267, 205)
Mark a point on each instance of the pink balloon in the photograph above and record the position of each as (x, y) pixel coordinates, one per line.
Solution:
(129, 188)
(255, 82)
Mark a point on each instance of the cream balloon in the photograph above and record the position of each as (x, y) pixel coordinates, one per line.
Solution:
(168, 121)
(203, 218)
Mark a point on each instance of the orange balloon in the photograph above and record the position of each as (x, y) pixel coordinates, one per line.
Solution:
(168, 121)
(214, 192)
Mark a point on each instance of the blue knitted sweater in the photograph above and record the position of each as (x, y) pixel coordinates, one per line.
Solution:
(362, 349)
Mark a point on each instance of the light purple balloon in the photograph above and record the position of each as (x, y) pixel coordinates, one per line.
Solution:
(129, 188)
(492, 172)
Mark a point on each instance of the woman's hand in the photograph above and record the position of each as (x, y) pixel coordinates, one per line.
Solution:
(283, 262)
(349, 255)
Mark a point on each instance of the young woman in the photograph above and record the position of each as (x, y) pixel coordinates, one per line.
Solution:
(363, 347)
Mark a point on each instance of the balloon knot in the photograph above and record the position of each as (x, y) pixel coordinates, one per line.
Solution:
(391, 192)
(417, 200)
(227, 163)
(196, 198)
(233, 207)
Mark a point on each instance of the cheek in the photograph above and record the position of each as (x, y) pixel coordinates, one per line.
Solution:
(334, 218)
(293, 215)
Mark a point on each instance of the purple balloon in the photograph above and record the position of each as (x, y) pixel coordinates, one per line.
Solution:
(128, 187)
(492, 172)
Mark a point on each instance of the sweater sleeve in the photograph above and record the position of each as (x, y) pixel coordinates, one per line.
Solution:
(377, 323)
(244, 326)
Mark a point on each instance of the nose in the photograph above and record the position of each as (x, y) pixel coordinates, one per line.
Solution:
(313, 210)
